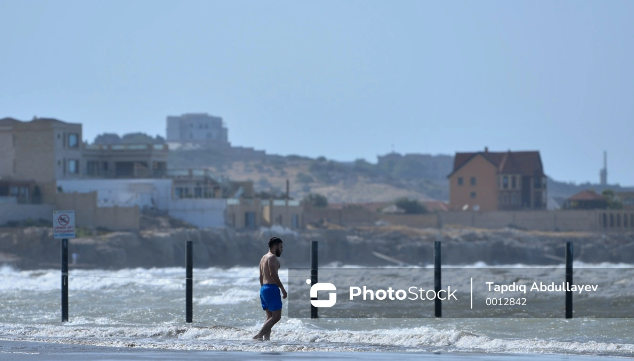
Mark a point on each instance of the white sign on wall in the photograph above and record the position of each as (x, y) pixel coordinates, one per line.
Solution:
(63, 224)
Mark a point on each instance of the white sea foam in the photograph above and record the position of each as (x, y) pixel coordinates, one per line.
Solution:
(295, 336)
(576, 264)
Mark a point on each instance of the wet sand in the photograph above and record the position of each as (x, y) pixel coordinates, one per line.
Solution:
(39, 351)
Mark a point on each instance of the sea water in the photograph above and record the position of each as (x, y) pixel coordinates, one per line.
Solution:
(145, 308)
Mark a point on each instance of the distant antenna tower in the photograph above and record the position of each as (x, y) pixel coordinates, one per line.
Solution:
(604, 171)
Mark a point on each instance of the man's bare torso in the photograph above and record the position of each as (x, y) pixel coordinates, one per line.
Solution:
(269, 263)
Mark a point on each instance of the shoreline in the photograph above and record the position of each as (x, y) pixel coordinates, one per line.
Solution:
(34, 350)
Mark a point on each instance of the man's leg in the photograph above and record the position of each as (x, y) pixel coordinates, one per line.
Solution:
(266, 328)
(267, 336)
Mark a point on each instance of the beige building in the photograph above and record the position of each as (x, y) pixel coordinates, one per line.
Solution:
(202, 183)
(490, 181)
(285, 213)
(7, 162)
(125, 160)
(45, 150)
(254, 213)
(40, 151)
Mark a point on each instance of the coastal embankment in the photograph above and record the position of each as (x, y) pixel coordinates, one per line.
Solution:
(35, 248)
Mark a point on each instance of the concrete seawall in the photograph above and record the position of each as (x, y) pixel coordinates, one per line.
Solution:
(35, 248)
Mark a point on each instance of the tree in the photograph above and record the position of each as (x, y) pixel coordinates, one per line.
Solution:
(316, 200)
(137, 138)
(304, 178)
(130, 138)
(612, 201)
(408, 168)
(363, 166)
(410, 206)
(107, 139)
(272, 194)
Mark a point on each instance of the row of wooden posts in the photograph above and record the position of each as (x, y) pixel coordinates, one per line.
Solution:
(314, 276)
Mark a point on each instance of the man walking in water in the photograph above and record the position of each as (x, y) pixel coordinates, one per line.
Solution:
(270, 288)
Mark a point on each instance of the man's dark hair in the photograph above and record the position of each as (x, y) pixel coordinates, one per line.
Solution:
(273, 241)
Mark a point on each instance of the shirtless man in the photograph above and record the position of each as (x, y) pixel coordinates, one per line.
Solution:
(270, 288)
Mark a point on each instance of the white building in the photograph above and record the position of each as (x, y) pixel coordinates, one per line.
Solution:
(197, 128)
(150, 194)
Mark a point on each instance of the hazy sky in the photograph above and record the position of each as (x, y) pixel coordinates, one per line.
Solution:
(343, 79)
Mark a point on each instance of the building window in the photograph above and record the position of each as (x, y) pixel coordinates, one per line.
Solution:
(538, 182)
(73, 140)
(460, 181)
(181, 192)
(295, 221)
(20, 193)
(513, 197)
(618, 220)
(513, 184)
(537, 202)
(473, 194)
(505, 198)
(92, 168)
(198, 192)
(249, 220)
(73, 166)
(473, 181)
(505, 182)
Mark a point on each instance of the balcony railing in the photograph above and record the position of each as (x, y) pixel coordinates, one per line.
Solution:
(118, 147)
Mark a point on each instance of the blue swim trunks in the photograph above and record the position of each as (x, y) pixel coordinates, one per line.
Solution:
(270, 297)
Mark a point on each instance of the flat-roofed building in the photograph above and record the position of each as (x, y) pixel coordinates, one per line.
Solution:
(126, 160)
(42, 150)
(197, 128)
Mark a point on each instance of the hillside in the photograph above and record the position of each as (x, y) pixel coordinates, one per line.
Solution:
(354, 182)
(419, 176)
